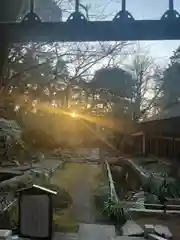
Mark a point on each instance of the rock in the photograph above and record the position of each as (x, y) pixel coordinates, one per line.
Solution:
(131, 228)
(155, 237)
(138, 195)
(117, 168)
(151, 198)
(163, 231)
(139, 204)
(138, 198)
(148, 229)
(5, 234)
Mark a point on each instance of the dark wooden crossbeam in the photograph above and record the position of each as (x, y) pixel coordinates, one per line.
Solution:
(91, 31)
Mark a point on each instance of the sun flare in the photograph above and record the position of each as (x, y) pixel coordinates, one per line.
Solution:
(73, 114)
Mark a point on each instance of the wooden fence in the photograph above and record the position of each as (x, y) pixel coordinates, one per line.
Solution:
(170, 209)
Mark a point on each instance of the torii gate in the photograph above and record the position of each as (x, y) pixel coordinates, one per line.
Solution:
(77, 27)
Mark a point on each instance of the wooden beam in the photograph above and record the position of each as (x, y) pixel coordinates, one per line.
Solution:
(137, 134)
(153, 211)
(162, 137)
(83, 30)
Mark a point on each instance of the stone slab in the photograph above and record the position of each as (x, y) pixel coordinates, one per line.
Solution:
(5, 234)
(148, 229)
(65, 236)
(131, 228)
(163, 231)
(96, 232)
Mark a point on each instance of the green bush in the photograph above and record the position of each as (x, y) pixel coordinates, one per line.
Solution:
(101, 195)
(14, 186)
(60, 224)
(115, 211)
(9, 218)
(39, 139)
(175, 188)
(60, 201)
(150, 185)
(167, 188)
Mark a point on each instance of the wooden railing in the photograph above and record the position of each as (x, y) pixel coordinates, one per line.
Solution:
(111, 182)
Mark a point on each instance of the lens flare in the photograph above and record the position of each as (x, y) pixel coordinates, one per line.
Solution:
(73, 114)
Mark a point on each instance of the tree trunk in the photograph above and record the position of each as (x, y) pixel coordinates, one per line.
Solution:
(137, 107)
(67, 95)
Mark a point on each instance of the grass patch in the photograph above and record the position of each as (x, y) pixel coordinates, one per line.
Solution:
(71, 178)
(65, 222)
(73, 173)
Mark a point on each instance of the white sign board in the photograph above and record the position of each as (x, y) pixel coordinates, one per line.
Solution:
(34, 219)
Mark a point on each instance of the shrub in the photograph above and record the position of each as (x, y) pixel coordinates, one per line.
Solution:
(116, 211)
(63, 224)
(150, 185)
(175, 188)
(62, 199)
(101, 195)
(39, 139)
(167, 188)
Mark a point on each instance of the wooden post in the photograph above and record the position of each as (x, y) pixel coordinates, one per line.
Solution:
(171, 5)
(123, 5)
(3, 59)
(144, 144)
(174, 147)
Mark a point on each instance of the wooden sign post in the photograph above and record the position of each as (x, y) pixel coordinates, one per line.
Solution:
(35, 213)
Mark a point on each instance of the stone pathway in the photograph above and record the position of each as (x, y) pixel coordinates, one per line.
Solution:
(65, 236)
(83, 205)
(79, 179)
(96, 232)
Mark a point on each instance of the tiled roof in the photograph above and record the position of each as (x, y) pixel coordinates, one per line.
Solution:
(172, 112)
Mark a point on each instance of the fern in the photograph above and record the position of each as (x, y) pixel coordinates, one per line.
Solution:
(116, 210)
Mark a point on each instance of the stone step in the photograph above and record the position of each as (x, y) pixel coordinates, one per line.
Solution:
(96, 232)
(65, 236)
(76, 236)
